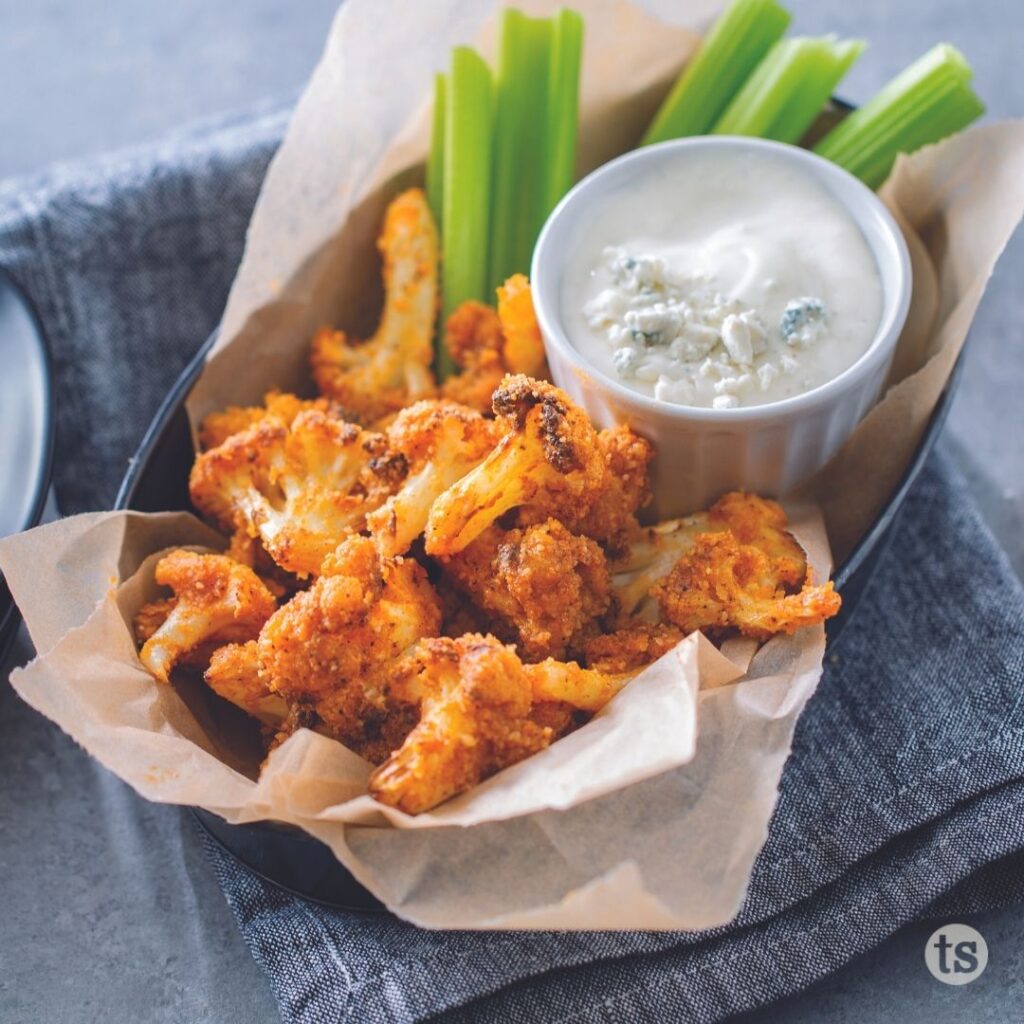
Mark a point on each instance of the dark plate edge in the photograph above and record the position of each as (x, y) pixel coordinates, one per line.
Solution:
(9, 614)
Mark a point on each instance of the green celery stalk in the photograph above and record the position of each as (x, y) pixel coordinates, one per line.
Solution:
(467, 186)
(788, 89)
(563, 107)
(435, 159)
(923, 104)
(517, 205)
(739, 40)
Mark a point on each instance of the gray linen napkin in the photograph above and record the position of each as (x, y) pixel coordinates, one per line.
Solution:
(905, 792)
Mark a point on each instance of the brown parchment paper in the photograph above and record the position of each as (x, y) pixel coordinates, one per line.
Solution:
(651, 815)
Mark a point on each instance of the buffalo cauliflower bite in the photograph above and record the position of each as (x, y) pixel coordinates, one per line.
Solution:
(279, 406)
(438, 443)
(379, 376)
(331, 647)
(632, 647)
(234, 674)
(653, 552)
(523, 350)
(480, 710)
(548, 464)
(625, 489)
(544, 586)
(721, 583)
(300, 489)
(474, 338)
(487, 343)
(216, 601)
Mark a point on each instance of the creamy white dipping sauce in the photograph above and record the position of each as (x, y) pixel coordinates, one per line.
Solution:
(734, 279)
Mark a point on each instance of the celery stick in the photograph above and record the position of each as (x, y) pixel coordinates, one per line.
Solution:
(562, 113)
(435, 160)
(467, 185)
(519, 142)
(741, 37)
(923, 104)
(788, 89)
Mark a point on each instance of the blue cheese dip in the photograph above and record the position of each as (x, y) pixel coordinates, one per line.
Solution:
(733, 279)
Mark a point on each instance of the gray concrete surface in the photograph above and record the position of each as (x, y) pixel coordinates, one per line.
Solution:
(110, 911)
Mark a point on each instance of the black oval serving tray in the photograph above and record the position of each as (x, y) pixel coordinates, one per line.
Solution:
(157, 481)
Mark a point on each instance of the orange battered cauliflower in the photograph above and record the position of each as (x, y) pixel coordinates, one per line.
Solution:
(379, 376)
(438, 443)
(544, 587)
(632, 647)
(480, 710)
(277, 405)
(299, 489)
(234, 674)
(548, 464)
(487, 343)
(331, 648)
(722, 583)
(216, 601)
(654, 552)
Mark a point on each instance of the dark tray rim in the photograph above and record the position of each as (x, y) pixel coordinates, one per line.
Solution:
(244, 842)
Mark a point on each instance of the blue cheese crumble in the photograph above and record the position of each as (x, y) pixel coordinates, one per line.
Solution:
(693, 345)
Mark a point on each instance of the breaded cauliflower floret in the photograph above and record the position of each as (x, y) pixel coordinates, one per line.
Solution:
(722, 583)
(488, 343)
(545, 586)
(331, 647)
(234, 674)
(439, 442)
(480, 710)
(474, 337)
(626, 489)
(277, 405)
(633, 647)
(216, 601)
(549, 464)
(300, 489)
(523, 351)
(653, 552)
(391, 369)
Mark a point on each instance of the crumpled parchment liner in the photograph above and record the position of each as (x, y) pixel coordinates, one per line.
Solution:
(622, 802)
(656, 818)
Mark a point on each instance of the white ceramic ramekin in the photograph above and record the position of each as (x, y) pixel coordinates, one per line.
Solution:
(702, 453)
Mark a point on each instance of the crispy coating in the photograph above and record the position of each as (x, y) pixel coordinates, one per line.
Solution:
(331, 647)
(234, 674)
(391, 369)
(279, 406)
(758, 521)
(438, 442)
(300, 489)
(523, 351)
(150, 617)
(474, 337)
(649, 557)
(624, 490)
(721, 583)
(487, 343)
(549, 464)
(632, 647)
(544, 586)
(653, 552)
(216, 601)
(481, 710)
